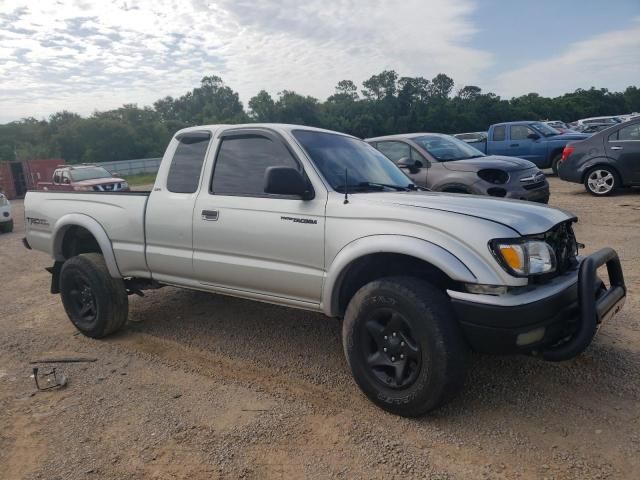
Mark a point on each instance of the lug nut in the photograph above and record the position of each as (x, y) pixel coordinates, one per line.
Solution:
(386, 338)
(394, 334)
(402, 355)
(384, 349)
(393, 359)
(402, 344)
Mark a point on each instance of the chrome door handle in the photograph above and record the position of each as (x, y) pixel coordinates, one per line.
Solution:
(210, 215)
(616, 148)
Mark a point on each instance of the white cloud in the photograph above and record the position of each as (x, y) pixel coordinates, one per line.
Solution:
(164, 47)
(611, 60)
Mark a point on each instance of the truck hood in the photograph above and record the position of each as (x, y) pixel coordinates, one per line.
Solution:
(508, 164)
(526, 218)
(98, 181)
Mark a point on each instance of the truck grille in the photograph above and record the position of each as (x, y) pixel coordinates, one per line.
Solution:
(563, 241)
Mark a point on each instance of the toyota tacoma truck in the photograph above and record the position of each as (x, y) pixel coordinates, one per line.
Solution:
(322, 221)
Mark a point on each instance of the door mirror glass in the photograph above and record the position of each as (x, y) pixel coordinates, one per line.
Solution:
(413, 166)
(285, 181)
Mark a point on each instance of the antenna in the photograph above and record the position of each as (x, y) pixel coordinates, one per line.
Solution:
(346, 186)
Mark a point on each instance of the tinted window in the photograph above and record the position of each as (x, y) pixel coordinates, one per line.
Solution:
(499, 134)
(444, 147)
(632, 132)
(242, 161)
(613, 137)
(56, 176)
(394, 151)
(184, 173)
(89, 173)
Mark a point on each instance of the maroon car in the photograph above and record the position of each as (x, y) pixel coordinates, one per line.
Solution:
(84, 178)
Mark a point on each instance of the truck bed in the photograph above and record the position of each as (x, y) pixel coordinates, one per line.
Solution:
(119, 214)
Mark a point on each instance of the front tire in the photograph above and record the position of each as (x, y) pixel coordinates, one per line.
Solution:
(404, 346)
(601, 181)
(96, 303)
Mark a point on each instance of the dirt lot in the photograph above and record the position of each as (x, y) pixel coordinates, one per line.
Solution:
(202, 386)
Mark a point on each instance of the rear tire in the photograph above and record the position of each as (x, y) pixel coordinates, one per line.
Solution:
(404, 346)
(6, 227)
(96, 303)
(555, 162)
(601, 181)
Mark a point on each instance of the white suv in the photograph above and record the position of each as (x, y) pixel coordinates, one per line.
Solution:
(6, 220)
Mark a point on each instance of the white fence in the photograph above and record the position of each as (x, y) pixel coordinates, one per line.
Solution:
(133, 167)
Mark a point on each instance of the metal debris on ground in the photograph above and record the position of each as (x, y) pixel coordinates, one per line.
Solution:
(51, 379)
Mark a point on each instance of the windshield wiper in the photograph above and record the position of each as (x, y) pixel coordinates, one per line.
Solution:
(399, 188)
(367, 186)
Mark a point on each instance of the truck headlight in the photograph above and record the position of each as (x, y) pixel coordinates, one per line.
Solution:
(524, 258)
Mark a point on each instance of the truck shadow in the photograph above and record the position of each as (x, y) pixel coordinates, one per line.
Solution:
(500, 391)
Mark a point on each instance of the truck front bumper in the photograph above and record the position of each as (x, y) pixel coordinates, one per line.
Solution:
(557, 320)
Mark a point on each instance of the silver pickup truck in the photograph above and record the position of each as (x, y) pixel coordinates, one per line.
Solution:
(322, 221)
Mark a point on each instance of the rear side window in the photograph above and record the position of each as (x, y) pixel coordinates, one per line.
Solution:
(242, 161)
(394, 151)
(499, 133)
(632, 132)
(56, 176)
(186, 165)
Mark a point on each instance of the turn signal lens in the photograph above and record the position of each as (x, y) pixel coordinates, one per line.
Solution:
(513, 256)
(568, 150)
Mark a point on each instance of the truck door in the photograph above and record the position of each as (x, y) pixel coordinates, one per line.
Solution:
(519, 142)
(169, 234)
(249, 241)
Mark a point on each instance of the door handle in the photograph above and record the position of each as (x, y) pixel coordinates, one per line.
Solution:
(616, 147)
(210, 215)
(514, 145)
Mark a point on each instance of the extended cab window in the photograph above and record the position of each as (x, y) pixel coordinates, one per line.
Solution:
(242, 161)
(394, 151)
(184, 172)
(56, 176)
(499, 134)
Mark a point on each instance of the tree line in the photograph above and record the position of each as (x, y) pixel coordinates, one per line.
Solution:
(386, 103)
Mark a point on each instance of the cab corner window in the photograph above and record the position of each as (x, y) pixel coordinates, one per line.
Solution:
(186, 165)
(242, 161)
(630, 133)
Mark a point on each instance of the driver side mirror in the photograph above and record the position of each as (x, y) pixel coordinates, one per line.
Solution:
(286, 181)
(533, 136)
(413, 166)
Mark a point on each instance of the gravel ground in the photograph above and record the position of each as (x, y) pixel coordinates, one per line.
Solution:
(203, 386)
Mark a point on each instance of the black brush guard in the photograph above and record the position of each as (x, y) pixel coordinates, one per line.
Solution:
(594, 306)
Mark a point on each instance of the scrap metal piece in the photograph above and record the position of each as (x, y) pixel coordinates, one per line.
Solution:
(51, 379)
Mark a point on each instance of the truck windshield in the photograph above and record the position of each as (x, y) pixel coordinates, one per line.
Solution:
(445, 148)
(89, 173)
(544, 129)
(366, 169)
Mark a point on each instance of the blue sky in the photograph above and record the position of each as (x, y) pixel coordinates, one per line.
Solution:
(84, 55)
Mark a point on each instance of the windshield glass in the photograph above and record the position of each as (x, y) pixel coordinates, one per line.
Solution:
(367, 169)
(445, 148)
(89, 173)
(544, 129)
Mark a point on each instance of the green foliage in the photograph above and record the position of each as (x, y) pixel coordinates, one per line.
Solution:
(389, 104)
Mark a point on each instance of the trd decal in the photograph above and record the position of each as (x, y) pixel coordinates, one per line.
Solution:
(37, 221)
